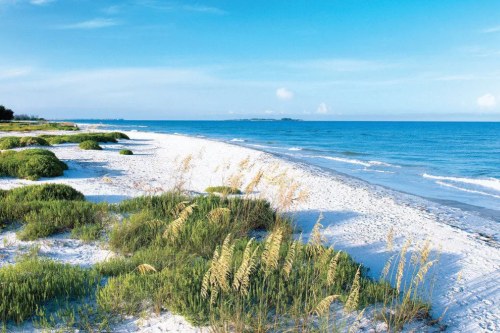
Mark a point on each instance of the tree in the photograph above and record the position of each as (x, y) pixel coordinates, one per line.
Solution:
(6, 114)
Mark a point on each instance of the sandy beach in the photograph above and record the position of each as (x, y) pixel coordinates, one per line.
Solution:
(357, 216)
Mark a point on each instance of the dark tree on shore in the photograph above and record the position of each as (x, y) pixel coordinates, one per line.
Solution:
(6, 114)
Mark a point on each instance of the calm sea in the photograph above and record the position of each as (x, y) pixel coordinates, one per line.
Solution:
(454, 163)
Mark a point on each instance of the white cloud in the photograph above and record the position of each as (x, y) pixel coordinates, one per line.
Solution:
(91, 24)
(284, 94)
(322, 108)
(487, 101)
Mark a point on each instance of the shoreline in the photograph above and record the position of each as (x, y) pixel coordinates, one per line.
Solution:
(358, 215)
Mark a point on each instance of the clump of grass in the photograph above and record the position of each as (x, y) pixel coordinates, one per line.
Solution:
(36, 126)
(10, 142)
(224, 190)
(45, 192)
(31, 164)
(136, 232)
(126, 152)
(28, 284)
(78, 138)
(89, 145)
(58, 216)
(52, 208)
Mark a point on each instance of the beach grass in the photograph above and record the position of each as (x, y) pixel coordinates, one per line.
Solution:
(44, 192)
(226, 262)
(19, 126)
(89, 145)
(81, 137)
(126, 152)
(224, 190)
(30, 283)
(30, 164)
(11, 142)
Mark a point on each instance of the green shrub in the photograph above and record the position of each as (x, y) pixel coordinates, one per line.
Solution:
(40, 126)
(45, 192)
(128, 294)
(28, 284)
(59, 216)
(10, 142)
(33, 141)
(225, 190)
(78, 138)
(89, 145)
(88, 232)
(126, 152)
(31, 164)
(136, 232)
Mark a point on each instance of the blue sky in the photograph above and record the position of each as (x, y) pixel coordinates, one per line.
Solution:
(325, 60)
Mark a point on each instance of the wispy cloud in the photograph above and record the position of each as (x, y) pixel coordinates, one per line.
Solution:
(339, 65)
(40, 2)
(491, 30)
(203, 9)
(96, 23)
(173, 6)
(10, 73)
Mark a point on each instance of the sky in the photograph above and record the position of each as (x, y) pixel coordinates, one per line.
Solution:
(313, 60)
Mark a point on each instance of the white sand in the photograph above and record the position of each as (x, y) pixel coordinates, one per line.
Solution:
(358, 216)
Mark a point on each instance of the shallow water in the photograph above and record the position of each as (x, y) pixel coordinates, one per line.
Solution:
(454, 163)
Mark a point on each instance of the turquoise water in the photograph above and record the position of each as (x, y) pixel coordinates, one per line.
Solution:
(454, 163)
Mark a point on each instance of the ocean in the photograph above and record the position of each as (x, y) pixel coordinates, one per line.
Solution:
(453, 163)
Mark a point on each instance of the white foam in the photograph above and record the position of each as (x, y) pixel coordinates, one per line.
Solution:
(237, 140)
(466, 190)
(295, 148)
(490, 183)
(366, 164)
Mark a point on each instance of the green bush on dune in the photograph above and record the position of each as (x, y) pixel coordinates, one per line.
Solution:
(31, 164)
(28, 284)
(78, 138)
(45, 192)
(225, 190)
(10, 142)
(19, 126)
(90, 145)
(126, 152)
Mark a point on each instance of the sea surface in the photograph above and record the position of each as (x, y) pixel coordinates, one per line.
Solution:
(453, 163)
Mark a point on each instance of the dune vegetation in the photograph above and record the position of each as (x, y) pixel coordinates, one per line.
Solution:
(11, 142)
(232, 263)
(89, 145)
(30, 164)
(126, 152)
(224, 190)
(19, 126)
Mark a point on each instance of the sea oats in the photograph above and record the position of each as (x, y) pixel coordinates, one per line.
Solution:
(332, 269)
(241, 280)
(290, 258)
(401, 265)
(353, 299)
(272, 246)
(324, 305)
(145, 268)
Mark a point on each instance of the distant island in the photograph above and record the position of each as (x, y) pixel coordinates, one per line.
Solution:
(267, 119)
